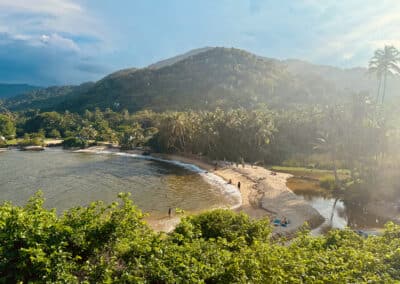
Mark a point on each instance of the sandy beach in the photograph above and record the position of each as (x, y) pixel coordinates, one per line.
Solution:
(264, 193)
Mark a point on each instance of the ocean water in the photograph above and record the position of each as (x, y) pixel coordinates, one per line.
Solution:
(70, 179)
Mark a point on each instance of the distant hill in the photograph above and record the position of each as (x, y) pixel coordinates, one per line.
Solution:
(205, 79)
(46, 99)
(351, 80)
(11, 90)
(175, 59)
(217, 77)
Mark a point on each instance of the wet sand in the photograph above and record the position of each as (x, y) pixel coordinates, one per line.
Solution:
(264, 194)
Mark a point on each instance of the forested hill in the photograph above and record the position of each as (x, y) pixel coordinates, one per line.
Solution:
(218, 77)
(205, 79)
(10, 90)
(50, 98)
(175, 59)
(350, 80)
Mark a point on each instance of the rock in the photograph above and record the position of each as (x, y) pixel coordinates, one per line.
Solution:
(32, 148)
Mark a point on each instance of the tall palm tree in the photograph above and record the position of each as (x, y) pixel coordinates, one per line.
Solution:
(384, 62)
(329, 144)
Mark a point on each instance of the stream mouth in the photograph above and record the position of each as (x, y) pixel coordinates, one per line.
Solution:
(337, 212)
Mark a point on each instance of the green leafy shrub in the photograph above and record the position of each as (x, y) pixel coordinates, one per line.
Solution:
(3, 143)
(54, 133)
(328, 182)
(111, 243)
(7, 126)
(34, 139)
(74, 142)
(224, 224)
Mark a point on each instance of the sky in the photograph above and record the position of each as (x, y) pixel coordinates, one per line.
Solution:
(54, 42)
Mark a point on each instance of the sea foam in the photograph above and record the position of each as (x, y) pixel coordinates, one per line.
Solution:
(230, 192)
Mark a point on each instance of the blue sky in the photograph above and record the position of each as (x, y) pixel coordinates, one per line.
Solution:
(48, 42)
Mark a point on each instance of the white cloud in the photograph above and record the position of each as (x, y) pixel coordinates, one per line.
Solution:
(45, 59)
(46, 16)
(353, 29)
(348, 55)
(382, 42)
(59, 42)
(50, 41)
(50, 33)
(54, 7)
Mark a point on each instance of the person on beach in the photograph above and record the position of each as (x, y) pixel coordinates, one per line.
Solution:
(169, 212)
(239, 185)
(242, 162)
(230, 181)
(284, 222)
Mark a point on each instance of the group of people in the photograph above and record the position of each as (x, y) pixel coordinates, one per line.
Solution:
(277, 222)
(238, 184)
(281, 222)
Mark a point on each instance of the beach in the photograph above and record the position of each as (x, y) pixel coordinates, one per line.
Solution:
(264, 193)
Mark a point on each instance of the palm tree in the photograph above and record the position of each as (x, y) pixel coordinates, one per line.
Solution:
(329, 144)
(384, 62)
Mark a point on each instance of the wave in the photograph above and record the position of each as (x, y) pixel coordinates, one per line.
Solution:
(229, 191)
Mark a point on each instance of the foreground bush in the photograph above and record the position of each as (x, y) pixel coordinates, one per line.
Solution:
(111, 243)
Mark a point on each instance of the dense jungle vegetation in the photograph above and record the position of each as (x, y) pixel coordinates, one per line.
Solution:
(111, 243)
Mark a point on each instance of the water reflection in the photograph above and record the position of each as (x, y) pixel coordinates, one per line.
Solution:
(339, 213)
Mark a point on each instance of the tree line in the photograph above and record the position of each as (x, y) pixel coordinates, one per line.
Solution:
(347, 135)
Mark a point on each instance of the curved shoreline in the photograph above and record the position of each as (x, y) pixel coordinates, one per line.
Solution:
(262, 194)
(166, 223)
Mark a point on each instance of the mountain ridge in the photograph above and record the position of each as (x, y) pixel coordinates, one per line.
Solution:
(8, 90)
(211, 77)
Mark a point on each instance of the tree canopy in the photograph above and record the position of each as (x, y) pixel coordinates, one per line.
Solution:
(111, 243)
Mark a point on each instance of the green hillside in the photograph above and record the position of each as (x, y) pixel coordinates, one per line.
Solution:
(11, 90)
(205, 79)
(216, 78)
(46, 98)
